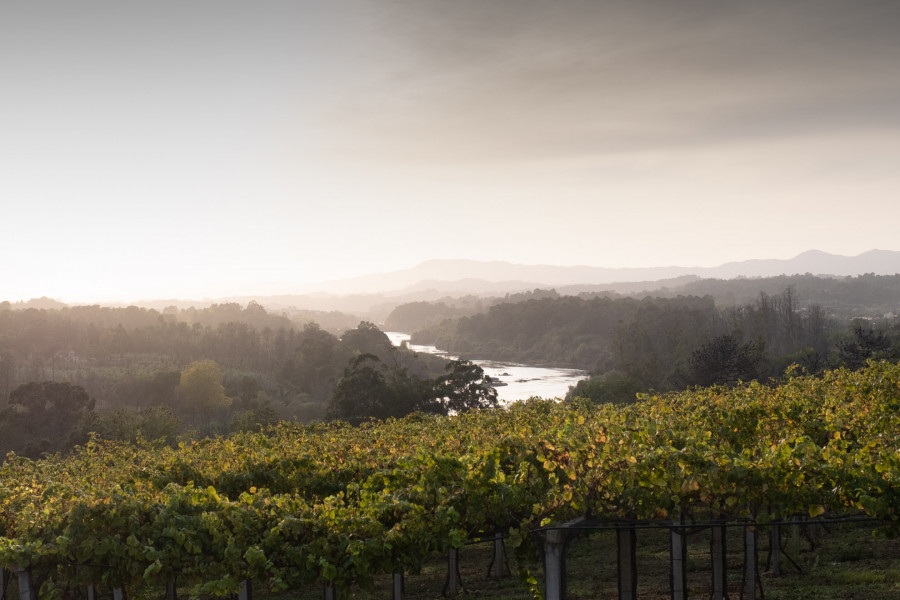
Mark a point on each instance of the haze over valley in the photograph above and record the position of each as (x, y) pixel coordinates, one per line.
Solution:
(303, 295)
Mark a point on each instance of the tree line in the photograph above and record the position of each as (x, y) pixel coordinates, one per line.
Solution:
(121, 373)
(129, 372)
(632, 345)
(848, 297)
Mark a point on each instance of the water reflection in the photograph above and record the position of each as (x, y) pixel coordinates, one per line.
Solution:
(516, 382)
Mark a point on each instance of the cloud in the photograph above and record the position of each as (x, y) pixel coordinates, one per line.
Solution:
(472, 81)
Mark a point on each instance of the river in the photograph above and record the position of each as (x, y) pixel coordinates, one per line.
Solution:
(521, 381)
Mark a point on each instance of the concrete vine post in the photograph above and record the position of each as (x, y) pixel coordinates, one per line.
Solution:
(554, 564)
(245, 590)
(499, 565)
(26, 584)
(556, 544)
(454, 581)
(397, 586)
(328, 593)
(678, 553)
(717, 552)
(750, 540)
(626, 541)
(775, 549)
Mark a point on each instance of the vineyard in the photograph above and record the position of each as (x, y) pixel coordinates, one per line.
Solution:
(340, 506)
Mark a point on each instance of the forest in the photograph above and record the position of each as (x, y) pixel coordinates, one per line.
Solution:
(67, 373)
(662, 343)
(129, 373)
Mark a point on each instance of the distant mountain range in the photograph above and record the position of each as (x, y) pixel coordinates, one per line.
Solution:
(493, 277)
(374, 296)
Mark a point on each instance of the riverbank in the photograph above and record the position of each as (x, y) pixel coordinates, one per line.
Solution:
(515, 381)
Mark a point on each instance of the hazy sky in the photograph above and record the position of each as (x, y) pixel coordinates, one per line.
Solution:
(208, 148)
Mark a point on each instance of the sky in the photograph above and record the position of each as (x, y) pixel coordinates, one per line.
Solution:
(204, 149)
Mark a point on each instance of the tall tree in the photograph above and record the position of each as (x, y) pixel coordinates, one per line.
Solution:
(200, 391)
(45, 417)
(316, 363)
(372, 389)
(863, 344)
(464, 387)
(363, 392)
(724, 360)
(367, 339)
